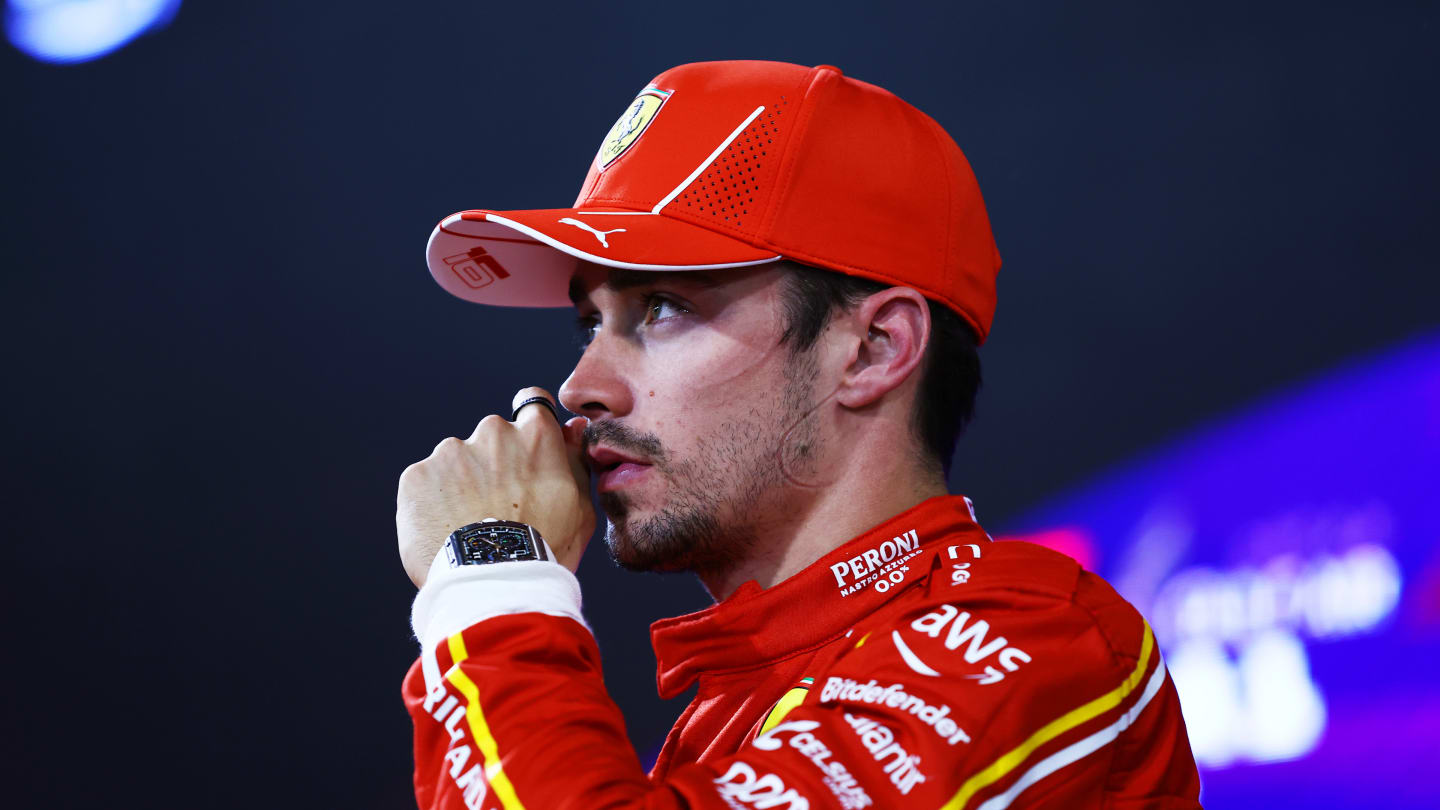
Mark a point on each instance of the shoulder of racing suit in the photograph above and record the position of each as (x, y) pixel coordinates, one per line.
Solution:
(1005, 663)
(1000, 616)
(984, 611)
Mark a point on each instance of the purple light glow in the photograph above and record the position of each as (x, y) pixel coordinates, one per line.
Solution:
(1287, 559)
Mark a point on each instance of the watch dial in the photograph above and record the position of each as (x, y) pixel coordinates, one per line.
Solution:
(487, 544)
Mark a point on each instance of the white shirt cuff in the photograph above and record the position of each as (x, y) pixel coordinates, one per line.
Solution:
(456, 598)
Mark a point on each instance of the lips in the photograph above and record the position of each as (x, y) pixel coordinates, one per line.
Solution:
(614, 469)
(621, 476)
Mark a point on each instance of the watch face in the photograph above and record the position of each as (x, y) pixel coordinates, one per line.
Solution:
(490, 543)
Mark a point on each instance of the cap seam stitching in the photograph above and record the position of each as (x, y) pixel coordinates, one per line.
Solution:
(950, 248)
(792, 155)
(600, 200)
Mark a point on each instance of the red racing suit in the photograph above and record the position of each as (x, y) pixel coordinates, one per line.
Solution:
(919, 665)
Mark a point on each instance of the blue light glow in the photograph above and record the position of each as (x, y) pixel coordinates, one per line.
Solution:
(81, 30)
(1289, 564)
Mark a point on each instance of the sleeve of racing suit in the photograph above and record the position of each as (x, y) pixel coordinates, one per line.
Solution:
(510, 712)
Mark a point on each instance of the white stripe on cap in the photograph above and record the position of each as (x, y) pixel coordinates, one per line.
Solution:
(703, 166)
(591, 257)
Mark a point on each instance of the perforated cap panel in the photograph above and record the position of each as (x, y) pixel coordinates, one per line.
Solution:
(727, 191)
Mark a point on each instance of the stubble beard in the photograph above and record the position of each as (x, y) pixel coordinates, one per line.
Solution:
(718, 499)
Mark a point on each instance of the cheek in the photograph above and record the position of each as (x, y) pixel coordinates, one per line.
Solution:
(715, 395)
(721, 368)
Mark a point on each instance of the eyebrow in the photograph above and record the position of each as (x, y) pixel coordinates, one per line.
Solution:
(620, 280)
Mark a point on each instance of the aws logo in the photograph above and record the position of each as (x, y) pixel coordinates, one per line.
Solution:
(631, 124)
(959, 631)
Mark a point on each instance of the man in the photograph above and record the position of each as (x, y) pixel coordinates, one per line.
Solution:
(782, 274)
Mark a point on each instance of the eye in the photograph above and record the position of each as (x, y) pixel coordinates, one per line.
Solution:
(586, 328)
(659, 308)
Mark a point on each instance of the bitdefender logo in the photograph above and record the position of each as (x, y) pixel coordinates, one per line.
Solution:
(894, 696)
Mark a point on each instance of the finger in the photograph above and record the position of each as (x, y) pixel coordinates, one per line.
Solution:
(532, 404)
(491, 423)
(574, 431)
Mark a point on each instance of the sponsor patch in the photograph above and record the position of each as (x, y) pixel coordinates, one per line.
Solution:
(476, 268)
(601, 236)
(471, 783)
(894, 696)
(631, 125)
(960, 631)
(792, 698)
(837, 777)
(879, 740)
(882, 566)
(742, 787)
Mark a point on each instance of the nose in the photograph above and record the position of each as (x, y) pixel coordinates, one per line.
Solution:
(595, 388)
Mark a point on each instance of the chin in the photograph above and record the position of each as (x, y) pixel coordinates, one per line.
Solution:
(679, 537)
(632, 556)
(638, 539)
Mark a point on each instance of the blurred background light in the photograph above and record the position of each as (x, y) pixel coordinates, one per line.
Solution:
(81, 30)
(1287, 560)
(223, 349)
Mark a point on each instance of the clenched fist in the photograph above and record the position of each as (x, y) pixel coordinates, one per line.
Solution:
(529, 471)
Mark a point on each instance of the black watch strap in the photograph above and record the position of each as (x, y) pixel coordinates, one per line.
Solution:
(494, 541)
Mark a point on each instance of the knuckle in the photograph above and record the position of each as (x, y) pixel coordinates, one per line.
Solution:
(491, 426)
(413, 474)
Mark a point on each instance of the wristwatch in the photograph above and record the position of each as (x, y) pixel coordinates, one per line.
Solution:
(493, 541)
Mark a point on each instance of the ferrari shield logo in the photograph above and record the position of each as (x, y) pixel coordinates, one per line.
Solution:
(632, 124)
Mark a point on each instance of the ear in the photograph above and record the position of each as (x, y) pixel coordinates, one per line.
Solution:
(894, 328)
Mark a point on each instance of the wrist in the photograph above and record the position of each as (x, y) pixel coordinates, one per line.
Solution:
(447, 559)
(453, 599)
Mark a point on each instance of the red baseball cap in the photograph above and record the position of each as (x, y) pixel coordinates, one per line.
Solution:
(732, 164)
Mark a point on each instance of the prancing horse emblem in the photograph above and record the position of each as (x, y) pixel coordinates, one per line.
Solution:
(585, 226)
(630, 125)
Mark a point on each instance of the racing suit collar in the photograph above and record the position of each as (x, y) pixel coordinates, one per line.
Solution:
(756, 626)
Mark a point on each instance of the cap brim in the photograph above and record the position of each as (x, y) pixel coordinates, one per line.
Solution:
(527, 258)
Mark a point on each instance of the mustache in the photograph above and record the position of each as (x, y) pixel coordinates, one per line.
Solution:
(623, 437)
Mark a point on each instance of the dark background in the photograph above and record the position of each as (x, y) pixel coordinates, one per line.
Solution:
(222, 345)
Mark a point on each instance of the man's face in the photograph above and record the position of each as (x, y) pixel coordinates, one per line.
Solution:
(701, 422)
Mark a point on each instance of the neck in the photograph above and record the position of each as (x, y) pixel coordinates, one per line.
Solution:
(818, 520)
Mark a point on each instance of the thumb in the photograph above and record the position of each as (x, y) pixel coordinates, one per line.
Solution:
(574, 432)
